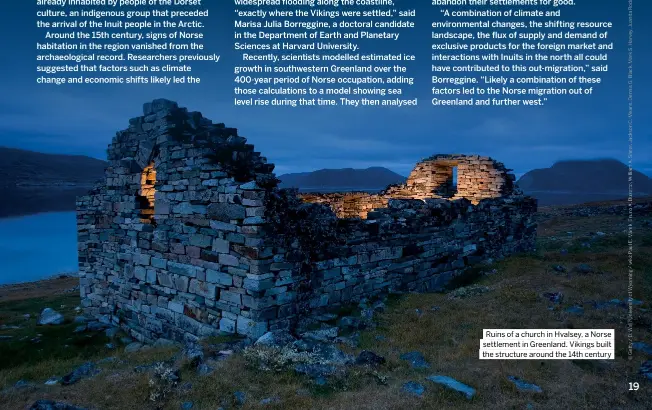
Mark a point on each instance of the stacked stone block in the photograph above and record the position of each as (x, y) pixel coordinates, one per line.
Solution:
(478, 178)
(190, 272)
(413, 245)
(217, 254)
(349, 204)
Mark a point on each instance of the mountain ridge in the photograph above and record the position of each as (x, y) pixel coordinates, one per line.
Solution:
(602, 175)
(21, 168)
(342, 178)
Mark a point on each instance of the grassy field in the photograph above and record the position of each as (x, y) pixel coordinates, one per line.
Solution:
(447, 336)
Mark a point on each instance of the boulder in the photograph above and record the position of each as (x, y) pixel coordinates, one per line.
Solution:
(367, 357)
(50, 317)
(133, 347)
(453, 384)
(111, 332)
(85, 370)
(323, 335)
(416, 359)
(576, 310)
(643, 347)
(194, 353)
(646, 369)
(315, 370)
(351, 322)
(583, 268)
(270, 400)
(275, 338)
(240, 397)
(414, 388)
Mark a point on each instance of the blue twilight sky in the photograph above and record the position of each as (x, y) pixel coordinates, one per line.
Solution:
(83, 119)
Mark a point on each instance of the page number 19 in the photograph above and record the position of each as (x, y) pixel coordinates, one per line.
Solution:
(633, 386)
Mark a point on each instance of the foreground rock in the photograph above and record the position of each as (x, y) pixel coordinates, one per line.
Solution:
(367, 357)
(96, 326)
(194, 354)
(323, 335)
(584, 268)
(646, 369)
(416, 359)
(643, 347)
(325, 353)
(453, 384)
(133, 347)
(414, 388)
(83, 371)
(554, 297)
(525, 386)
(50, 316)
(270, 400)
(315, 359)
(53, 405)
(575, 310)
(278, 338)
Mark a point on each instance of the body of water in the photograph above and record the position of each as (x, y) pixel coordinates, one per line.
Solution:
(37, 246)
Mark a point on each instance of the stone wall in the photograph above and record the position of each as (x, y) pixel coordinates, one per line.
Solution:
(186, 271)
(348, 204)
(408, 245)
(478, 178)
(226, 250)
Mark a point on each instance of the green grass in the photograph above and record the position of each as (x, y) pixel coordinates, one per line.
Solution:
(56, 342)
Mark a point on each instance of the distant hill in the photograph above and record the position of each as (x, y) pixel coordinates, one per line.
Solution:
(33, 182)
(23, 168)
(342, 179)
(577, 181)
(600, 176)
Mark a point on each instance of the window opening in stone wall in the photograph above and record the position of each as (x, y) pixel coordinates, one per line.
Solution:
(146, 194)
(446, 179)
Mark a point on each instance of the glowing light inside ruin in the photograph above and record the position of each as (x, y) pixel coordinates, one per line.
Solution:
(449, 177)
(147, 193)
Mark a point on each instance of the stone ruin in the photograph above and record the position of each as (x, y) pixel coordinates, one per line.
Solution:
(188, 235)
(477, 178)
